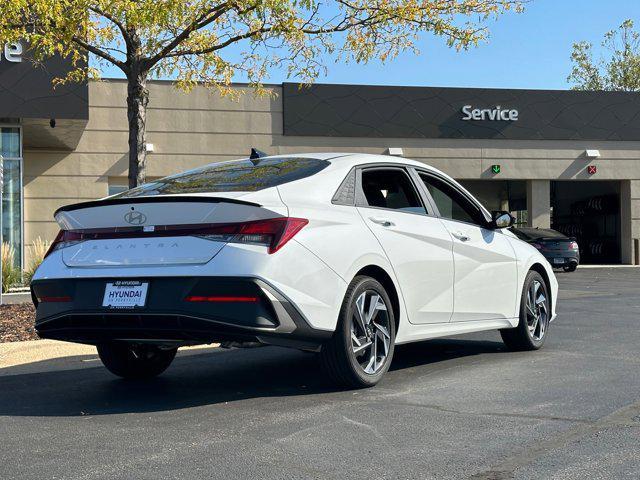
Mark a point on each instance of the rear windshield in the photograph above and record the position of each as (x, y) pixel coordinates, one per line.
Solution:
(236, 176)
(537, 233)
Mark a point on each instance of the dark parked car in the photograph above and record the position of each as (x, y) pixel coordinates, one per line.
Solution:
(561, 251)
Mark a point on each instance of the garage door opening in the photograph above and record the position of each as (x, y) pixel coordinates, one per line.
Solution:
(590, 212)
(507, 195)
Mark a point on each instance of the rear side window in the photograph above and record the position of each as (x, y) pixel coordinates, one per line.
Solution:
(236, 176)
(391, 188)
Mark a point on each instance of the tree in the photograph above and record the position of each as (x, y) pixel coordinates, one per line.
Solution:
(210, 41)
(620, 71)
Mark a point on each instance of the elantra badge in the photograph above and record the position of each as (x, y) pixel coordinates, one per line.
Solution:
(135, 218)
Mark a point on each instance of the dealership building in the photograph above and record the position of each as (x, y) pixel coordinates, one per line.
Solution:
(562, 159)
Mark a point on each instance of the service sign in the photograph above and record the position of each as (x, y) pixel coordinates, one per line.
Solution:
(496, 114)
(379, 111)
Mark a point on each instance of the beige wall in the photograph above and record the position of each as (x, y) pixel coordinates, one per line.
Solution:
(187, 130)
(193, 129)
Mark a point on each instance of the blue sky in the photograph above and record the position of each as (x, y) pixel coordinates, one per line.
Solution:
(529, 50)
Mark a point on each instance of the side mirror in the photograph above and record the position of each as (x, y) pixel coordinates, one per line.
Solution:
(501, 220)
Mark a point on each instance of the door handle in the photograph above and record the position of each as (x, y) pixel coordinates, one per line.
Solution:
(382, 221)
(461, 236)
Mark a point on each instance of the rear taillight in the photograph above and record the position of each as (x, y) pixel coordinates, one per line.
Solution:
(273, 233)
(538, 246)
(65, 238)
(49, 299)
(220, 299)
(573, 246)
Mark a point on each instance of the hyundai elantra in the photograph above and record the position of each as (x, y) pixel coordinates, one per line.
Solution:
(346, 255)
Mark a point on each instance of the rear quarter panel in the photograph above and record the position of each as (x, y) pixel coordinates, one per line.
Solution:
(336, 234)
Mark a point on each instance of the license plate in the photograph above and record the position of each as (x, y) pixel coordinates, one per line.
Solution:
(558, 260)
(125, 294)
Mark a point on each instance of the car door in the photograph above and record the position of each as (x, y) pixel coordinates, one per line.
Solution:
(416, 242)
(485, 285)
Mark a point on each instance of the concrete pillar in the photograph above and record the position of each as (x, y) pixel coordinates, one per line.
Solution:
(634, 196)
(626, 241)
(539, 203)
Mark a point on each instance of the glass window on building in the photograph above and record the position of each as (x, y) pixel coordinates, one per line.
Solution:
(509, 195)
(115, 189)
(121, 184)
(11, 151)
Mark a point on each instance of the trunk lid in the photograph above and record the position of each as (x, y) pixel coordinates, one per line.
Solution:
(140, 231)
(556, 244)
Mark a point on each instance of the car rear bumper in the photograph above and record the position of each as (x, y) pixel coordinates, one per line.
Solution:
(77, 315)
(558, 260)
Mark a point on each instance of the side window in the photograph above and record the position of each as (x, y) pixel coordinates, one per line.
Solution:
(391, 188)
(452, 205)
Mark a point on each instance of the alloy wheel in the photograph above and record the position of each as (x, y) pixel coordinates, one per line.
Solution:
(537, 311)
(370, 337)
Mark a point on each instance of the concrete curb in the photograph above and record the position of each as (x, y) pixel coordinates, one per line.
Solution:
(16, 298)
(607, 266)
(19, 353)
(15, 354)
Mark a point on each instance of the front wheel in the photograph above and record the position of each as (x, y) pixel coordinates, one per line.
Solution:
(535, 313)
(135, 361)
(361, 349)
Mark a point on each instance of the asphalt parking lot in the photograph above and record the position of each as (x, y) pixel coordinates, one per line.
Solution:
(450, 408)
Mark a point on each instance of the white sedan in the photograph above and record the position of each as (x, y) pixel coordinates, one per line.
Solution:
(347, 255)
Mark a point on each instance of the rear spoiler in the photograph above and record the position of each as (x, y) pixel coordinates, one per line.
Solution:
(154, 199)
(555, 239)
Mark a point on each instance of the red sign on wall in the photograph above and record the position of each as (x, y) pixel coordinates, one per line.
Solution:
(592, 169)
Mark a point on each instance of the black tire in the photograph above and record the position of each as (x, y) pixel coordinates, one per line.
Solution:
(135, 361)
(521, 337)
(570, 268)
(338, 359)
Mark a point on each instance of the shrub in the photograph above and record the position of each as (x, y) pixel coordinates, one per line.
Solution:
(10, 274)
(36, 255)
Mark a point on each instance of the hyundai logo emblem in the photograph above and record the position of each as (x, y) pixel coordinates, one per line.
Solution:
(135, 218)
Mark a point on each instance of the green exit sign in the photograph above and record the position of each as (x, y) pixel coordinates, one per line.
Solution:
(495, 168)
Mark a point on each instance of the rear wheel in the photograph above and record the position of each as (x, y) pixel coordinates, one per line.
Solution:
(570, 268)
(135, 361)
(535, 313)
(361, 349)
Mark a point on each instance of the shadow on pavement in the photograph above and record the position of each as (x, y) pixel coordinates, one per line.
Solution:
(206, 379)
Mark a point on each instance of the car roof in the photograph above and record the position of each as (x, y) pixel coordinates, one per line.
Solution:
(347, 160)
(326, 181)
(341, 162)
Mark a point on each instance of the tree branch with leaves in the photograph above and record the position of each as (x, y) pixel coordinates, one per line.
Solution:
(211, 42)
(618, 71)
